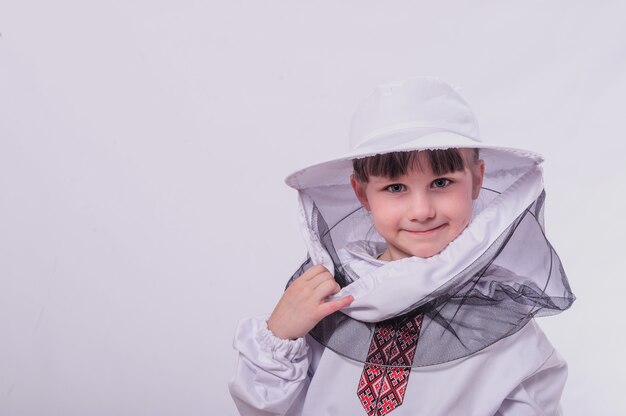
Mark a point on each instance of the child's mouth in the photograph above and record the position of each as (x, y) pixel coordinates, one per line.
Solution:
(426, 231)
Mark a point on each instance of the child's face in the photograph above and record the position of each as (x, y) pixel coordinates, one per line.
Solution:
(419, 214)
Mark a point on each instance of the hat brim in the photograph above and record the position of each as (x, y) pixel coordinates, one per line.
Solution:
(337, 171)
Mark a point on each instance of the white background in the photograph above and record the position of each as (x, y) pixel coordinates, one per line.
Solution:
(143, 146)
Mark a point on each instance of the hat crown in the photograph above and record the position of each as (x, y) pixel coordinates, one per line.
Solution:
(420, 104)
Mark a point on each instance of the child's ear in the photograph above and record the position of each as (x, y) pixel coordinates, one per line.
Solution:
(478, 172)
(359, 191)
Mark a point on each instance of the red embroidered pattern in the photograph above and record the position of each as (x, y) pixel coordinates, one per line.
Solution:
(385, 377)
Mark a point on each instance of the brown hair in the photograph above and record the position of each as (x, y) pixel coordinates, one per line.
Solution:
(395, 164)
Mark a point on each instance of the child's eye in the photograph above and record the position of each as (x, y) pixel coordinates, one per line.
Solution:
(396, 187)
(441, 183)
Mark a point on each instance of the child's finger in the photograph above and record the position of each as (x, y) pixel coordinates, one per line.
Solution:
(334, 305)
(321, 278)
(326, 288)
(313, 271)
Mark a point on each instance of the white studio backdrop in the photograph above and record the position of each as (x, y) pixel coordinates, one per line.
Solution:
(143, 146)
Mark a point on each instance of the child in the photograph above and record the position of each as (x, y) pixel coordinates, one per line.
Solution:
(427, 263)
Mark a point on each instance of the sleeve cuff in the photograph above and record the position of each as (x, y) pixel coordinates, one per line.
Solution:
(292, 350)
(287, 359)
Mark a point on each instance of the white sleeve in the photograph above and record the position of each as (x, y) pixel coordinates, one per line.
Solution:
(539, 394)
(271, 373)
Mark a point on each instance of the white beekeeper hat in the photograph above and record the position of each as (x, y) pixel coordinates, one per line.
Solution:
(488, 283)
(414, 114)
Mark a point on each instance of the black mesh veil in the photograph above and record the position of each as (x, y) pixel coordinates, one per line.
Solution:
(518, 277)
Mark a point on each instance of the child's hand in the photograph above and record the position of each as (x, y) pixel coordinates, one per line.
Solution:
(304, 304)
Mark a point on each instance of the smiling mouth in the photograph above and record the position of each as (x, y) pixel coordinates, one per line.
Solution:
(426, 232)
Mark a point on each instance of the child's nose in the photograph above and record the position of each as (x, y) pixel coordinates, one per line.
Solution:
(421, 209)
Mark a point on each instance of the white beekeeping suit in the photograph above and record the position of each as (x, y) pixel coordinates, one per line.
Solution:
(455, 331)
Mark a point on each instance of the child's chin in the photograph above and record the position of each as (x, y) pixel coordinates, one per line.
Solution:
(425, 253)
(421, 253)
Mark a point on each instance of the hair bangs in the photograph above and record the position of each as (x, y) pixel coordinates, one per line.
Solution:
(396, 164)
